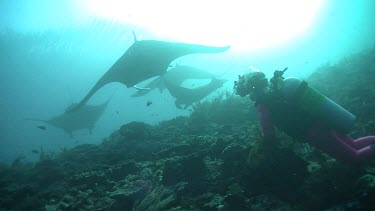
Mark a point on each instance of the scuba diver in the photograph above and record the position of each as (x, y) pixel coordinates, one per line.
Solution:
(304, 113)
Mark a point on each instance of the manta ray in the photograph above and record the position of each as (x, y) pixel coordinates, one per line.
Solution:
(186, 96)
(175, 75)
(146, 59)
(83, 118)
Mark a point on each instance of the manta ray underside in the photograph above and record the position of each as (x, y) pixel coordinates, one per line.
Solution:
(146, 59)
(176, 75)
(186, 96)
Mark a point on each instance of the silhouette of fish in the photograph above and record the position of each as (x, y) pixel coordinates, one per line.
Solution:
(84, 118)
(187, 96)
(148, 103)
(42, 127)
(146, 59)
(175, 75)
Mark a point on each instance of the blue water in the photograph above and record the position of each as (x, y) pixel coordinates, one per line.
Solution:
(44, 71)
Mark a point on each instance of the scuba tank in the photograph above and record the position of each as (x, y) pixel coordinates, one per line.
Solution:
(315, 103)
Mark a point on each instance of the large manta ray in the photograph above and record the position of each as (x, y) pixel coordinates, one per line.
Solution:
(146, 59)
(175, 75)
(83, 118)
(186, 96)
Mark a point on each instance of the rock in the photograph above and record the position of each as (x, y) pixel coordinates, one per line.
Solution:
(234, 157)
(177, 150)
(186, 168)
(225, 130)
(161, 198)
(134, 130)
(268, 202)
(234, 152)
(366, 183)
(125, 197)
(88, 178)
(121, 170)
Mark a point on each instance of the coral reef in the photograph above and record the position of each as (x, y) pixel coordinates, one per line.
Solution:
(212, 160)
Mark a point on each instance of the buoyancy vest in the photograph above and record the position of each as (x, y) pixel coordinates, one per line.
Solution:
(295, 107)
(287, 116)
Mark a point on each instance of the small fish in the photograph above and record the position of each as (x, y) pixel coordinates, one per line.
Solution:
(148, 103)
(42, 127)
(35, 151)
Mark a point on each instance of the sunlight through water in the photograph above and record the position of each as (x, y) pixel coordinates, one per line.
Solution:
(245, 25)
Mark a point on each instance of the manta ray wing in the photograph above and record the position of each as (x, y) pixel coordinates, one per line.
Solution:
(146, 59)
(149, 87)
(176, 75)
(180, 73)
(189, 96)
(84, 118)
